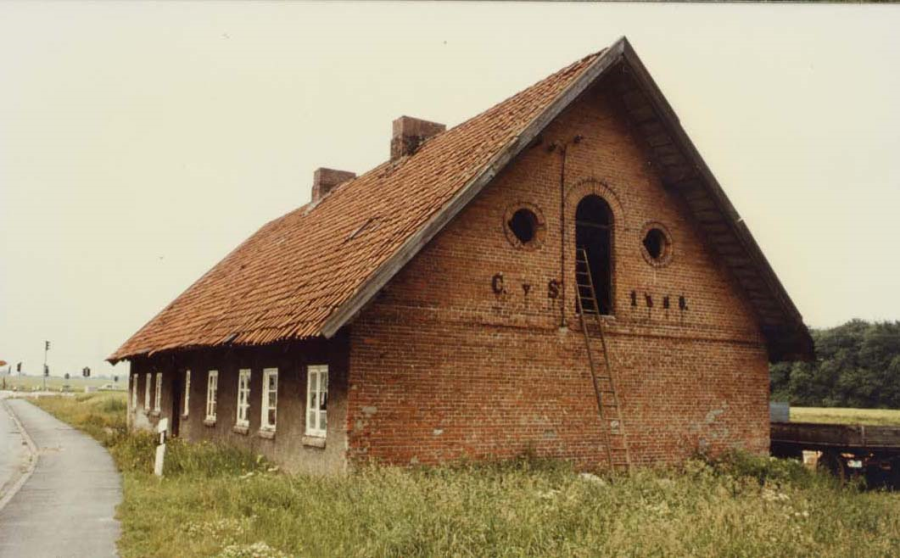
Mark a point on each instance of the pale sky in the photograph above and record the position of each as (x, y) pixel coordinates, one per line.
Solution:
(140, 142)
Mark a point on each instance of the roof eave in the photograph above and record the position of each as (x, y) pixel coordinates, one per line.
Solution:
(804, 350)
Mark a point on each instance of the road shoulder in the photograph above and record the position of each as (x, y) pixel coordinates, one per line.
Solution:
(18, 456)
(66, 508)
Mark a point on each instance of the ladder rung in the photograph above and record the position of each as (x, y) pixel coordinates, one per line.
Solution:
(609, 411)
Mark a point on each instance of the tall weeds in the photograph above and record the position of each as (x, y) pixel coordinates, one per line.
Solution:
(217, 501)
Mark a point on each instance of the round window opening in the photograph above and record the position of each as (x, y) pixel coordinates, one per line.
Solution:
(657, 245)
(524, 225)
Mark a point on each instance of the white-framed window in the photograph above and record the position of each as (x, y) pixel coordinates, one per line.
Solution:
(212, 392)
(243, 398)
(187, 393)
(157, 401)
(148, 379)
(269, 399)
(317, 400)
(134, 391)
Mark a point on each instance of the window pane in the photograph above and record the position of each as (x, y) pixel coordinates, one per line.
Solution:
(322, 421)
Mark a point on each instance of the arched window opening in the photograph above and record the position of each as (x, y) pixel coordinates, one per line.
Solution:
(593, 233)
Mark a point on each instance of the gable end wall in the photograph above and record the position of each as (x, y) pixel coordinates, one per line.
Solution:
(442, 367)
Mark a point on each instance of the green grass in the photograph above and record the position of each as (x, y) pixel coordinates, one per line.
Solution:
(224, 502)
(834, 415)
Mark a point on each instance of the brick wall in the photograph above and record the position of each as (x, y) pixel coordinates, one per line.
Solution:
(444, 367)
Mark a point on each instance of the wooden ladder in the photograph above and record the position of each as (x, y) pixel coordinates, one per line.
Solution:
(615, 437)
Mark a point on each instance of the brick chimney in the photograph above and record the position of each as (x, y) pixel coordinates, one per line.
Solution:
(326, 180)
(409, 133)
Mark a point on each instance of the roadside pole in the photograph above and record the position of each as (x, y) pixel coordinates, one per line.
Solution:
(46, 370)
(162, 428)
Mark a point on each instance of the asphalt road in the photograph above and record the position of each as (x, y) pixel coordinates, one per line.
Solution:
(13, 452)
(67, 507)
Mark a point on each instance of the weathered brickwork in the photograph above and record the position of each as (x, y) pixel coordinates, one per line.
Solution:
(442, 367)
(474, 350)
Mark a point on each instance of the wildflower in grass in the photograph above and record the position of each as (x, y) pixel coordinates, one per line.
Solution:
(255, 550)
(590, 477)
(548, 495)
(770, 495)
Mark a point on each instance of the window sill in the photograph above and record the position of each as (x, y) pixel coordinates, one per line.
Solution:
(267, 433)
(209, 422)
(313, 441)
(241, 429)
(154, 413)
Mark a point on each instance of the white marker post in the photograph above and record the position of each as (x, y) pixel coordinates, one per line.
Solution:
(162, 428)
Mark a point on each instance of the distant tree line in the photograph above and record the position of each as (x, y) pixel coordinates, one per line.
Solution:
(857, 365)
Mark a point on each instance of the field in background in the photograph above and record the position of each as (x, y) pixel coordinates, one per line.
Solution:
(224, 502)
(875, 417)
(102, 414)
(55, 383)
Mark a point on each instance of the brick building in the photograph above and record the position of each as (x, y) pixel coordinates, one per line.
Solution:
(429, 310)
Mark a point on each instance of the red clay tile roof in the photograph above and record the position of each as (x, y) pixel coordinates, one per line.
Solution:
(286, 280)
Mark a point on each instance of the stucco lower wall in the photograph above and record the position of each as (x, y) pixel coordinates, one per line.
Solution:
(289, 448)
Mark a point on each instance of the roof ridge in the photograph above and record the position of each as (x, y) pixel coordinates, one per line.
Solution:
(431, 139)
